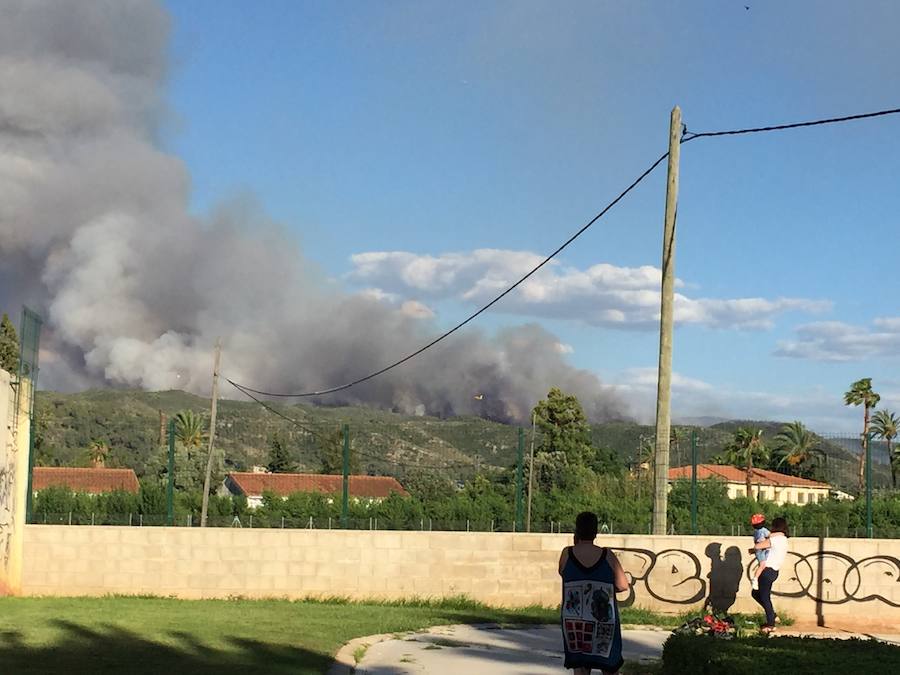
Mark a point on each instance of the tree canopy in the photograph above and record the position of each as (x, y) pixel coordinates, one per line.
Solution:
(280, 459)
(9, 346)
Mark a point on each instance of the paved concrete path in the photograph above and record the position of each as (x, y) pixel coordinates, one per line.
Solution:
(472, 650)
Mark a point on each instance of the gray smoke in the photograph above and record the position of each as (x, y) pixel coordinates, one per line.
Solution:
(96, 234)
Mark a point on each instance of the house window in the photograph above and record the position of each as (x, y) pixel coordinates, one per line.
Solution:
(740, 492)
(801, 497)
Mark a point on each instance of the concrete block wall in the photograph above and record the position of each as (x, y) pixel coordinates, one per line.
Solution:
(670, 574)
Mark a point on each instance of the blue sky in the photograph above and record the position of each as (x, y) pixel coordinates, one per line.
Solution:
(436, 130)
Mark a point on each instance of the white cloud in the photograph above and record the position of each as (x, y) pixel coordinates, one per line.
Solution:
(412, 308)
(563, 348)
(837, 341)
(416, 309)
(603, 294)
(820, 409)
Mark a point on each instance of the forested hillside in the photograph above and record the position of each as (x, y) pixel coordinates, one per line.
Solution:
(129, 422)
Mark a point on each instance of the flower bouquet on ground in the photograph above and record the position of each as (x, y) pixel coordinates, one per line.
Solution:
(709, 624)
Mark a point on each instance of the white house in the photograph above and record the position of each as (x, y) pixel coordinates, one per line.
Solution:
(768, 485)
(253, 485)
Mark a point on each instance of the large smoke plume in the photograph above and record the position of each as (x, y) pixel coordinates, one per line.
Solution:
(95, 233)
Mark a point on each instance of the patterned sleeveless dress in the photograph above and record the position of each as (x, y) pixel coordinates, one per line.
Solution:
(592, 631)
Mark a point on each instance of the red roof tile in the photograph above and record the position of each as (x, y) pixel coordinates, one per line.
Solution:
(94, 481)
(284, 484)
(733, 474)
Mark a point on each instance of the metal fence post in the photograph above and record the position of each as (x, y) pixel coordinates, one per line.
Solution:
(170, 487)
(30, 494)
(345, 498)
(869, 530)
(694, 481)
(520, 488)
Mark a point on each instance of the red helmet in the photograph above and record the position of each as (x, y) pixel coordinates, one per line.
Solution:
(757, 519)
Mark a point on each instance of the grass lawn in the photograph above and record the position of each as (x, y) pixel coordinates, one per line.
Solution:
(704, 655)
(152, 635)
(158, 635)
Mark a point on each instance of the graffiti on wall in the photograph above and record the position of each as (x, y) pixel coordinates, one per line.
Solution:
(6, 513)
(673, 575)
(677, 576)
(843, 579)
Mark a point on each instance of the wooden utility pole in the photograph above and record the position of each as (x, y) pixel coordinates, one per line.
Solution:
(212, 433)
(664, 382)
(530, 471)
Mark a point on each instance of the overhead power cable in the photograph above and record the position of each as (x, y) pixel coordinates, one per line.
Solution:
(481, 311)
(686, 137)
(689, 136)
(300, 425)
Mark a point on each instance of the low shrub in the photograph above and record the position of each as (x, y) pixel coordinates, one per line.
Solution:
(705, 655)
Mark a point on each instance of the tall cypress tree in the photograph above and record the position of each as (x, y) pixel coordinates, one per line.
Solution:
(9, 346)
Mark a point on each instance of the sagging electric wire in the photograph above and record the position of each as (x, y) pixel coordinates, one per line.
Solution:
(321, 438)
(687, 136)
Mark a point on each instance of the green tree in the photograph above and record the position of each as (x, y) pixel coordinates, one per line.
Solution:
(152, 498)
(97, 453)
(9, 346)
(861, 393)
(280, 459)
(885, 425)
(796, 446)
(331, 453)
(189, 429)
(564, 427)
(744, 448)
(190, 462)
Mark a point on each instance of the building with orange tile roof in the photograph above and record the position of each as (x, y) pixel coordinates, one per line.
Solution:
(253, 485)
(93, 481)
(769, 485)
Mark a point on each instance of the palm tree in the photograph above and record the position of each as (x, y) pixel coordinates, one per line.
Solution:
(885, 425)
(797, 445)
(191, 435)
(97, 452)
(861, 393)
(189, 429)
(746, 446)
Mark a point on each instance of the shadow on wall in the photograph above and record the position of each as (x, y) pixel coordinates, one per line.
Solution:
(724, 577)
(79, 650)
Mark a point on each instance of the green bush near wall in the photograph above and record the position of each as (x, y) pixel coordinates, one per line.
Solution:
(705, 655)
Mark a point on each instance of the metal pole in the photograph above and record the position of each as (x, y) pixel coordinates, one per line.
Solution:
(530, 471)
(29, 496)
(520, 460)
(694, 481)
(667, 298)
(869, 530)
(345, 499)
(170, 488)
(212, 434)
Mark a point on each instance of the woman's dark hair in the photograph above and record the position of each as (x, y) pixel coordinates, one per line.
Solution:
(586, 526)
(780, 525)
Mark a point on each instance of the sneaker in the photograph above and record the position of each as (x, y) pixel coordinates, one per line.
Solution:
(754, 584)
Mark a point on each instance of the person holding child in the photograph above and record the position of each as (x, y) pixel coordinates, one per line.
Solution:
(776, 546)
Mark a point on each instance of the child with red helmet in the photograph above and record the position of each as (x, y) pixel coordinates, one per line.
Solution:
(760, 533)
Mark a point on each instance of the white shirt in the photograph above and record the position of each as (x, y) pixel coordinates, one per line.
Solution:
(778, 548)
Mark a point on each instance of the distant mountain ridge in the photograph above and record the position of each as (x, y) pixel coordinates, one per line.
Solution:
(387, 443)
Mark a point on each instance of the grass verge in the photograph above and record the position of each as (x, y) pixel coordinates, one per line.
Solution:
(704, 655)
(154, 635)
